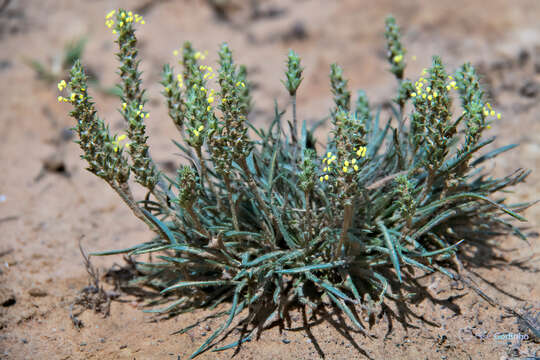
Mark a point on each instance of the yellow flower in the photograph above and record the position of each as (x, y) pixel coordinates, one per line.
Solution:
(361, 151)
(124, 106)
(346, 163)
(73, 96)
(325, 177)
(60, 98)
(321, 179)
(499, 116)
(175, 53)
(211, 99)
(208, 108)
(488, 127)
(430, 97)
(143, 22)
(448, 87)
(110, 14)
(355, 167)
(428, 89)
(62, 85)
(423, 96)
(353, 161)
(328, 154)
(413, 94)
(435, 94)
(345, 169)
(325, 169)
(398, 58)
(201, 128)
(196, 132)
(116, 142)
(492, 113)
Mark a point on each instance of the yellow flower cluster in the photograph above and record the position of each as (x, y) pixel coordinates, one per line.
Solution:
(126, 18)
(197, 131)
(426, 92)
(62, 85)
(488, 111)
(201, 55)
(210, 95)
(180, 80)
(347, 164)
(117, 145)
(210, 74)
(141, 113)
(71, 98)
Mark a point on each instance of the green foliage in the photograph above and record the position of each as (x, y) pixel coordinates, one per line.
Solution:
(250, 222)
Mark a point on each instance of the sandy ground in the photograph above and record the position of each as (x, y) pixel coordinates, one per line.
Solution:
(44, 213)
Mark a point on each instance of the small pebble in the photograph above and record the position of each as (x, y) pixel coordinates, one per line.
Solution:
(286, 341)
(83, 344)
(37, 292)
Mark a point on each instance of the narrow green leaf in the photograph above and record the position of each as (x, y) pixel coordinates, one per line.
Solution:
(232, 313)
(327, 286)
(182, 284)
(312, 267)
(347, 311)
(160, 225)
(391, 246)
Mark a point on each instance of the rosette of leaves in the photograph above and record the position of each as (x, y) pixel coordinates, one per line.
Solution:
(249, 226)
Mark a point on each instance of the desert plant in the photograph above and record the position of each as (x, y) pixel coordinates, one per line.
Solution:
(262, 224)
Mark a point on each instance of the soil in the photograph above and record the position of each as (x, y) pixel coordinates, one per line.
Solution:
(49, 202)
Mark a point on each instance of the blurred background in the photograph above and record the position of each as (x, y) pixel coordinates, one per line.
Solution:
(48, 202)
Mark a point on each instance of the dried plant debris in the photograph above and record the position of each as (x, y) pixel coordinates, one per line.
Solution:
(91, 297)
(269, 223)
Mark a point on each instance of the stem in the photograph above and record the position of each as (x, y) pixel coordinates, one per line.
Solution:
(308, 219)
(294, 131)
(204, 173)
(198, 225)
(164, 206)
(347, 219)
(231, 203)
(295, 125)
(262, 204)
(427, 186)
(124, 191)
